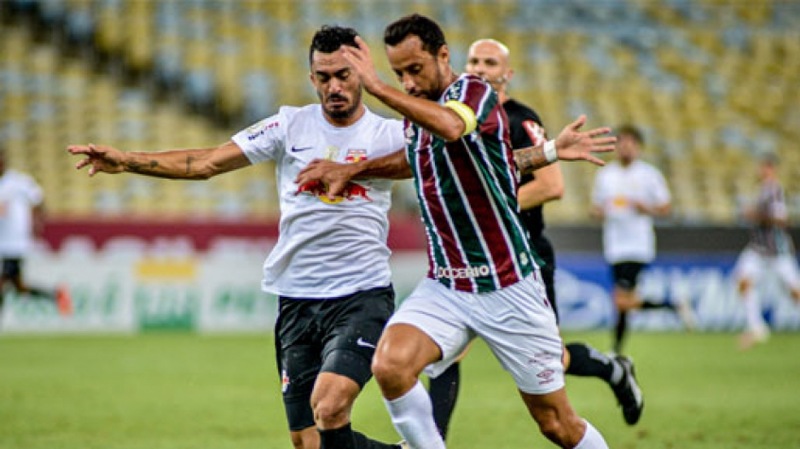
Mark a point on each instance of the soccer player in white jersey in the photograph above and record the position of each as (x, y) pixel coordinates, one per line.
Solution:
(770, 249)
(330, 266)
(483, 278)
(21, 217)
(628, 193)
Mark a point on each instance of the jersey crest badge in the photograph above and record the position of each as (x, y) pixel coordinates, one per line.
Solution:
(354, 156)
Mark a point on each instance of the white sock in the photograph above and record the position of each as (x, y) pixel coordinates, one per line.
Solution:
(752, 310)
(591, 439)
(412, 416)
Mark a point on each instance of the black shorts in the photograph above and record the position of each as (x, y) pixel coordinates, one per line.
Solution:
(12, 268)
(626, 274)
(544, 249)
(336, 335)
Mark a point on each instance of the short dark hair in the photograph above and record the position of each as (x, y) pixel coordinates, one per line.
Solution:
(418, 25)
(329, 38)
(632, 131)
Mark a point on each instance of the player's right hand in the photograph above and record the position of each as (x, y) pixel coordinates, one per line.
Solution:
(99, 158)
(332, 174)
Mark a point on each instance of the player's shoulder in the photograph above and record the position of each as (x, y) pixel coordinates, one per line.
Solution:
(466, 84)
(18, 178)
(382, 123)
(520, 111)
(647, 167)
(290, 113)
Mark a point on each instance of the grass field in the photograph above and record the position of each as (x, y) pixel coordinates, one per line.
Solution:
(167, 391)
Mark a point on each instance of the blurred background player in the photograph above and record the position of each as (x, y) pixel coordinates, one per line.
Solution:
(770, 249)
(330, 266)
(490, 59)
(628, 193)
(22, 218)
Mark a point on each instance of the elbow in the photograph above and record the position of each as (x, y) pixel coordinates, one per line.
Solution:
(452, 130)
(452, 135)
(202, 174)
(557, 192)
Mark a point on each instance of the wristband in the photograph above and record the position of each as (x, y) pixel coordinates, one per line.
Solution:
(550, 153)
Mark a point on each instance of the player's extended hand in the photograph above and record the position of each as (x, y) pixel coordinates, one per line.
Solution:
(331, 174)
(573, 144)
(100, 158)
(361, 60)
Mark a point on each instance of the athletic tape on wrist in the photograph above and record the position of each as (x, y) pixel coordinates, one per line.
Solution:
(550, 153)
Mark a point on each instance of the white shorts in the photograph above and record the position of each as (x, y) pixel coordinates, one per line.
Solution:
(752, 265)
(516, 322)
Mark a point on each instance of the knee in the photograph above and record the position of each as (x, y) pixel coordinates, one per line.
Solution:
(330, 413)
(388, 369)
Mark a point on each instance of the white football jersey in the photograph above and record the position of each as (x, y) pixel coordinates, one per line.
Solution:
(628, 236)
(326, 248)
(19, 194)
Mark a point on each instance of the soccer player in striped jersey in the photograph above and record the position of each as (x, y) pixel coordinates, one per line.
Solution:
(490, 59)
(483, 279)
(770, 249)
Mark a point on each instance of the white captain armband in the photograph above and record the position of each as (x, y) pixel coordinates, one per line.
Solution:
(466, 114)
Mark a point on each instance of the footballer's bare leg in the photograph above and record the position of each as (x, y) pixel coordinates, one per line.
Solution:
(307, 438)
(332, 400)
(559, 422)
(402, 353)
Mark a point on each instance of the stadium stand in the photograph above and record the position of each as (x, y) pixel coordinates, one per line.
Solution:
(712, 82)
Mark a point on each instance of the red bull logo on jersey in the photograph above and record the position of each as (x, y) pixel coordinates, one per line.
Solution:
(354, 156)
(463, 272)
(351, 191)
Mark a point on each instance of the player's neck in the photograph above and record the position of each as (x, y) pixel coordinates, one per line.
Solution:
(502, 96)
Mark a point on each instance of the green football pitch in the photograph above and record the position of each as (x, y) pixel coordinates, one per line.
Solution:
(184, 391)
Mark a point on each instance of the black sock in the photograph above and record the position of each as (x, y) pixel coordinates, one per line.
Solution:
(586, 361)
(619, 331)
(647, 304)
(345, 438)
(341, 438)
(362, 442)
(444, 393)
(41, 293)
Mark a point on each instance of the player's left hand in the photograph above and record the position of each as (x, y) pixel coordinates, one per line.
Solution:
(332, 174)
(361, 60)
(573, 144)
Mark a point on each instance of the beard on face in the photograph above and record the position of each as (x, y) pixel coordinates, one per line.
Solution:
(435, 90)
(340, 113)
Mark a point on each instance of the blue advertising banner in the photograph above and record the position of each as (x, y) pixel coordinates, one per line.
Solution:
(583, 289)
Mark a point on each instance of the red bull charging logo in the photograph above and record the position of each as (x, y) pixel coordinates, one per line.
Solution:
(320, 190)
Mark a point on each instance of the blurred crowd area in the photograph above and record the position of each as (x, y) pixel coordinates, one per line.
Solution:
(712, 83)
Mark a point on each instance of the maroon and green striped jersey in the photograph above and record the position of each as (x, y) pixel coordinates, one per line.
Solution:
(467, 195)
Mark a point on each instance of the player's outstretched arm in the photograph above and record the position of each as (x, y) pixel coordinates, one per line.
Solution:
(572, 144)
(336, 175)
(172, 164)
